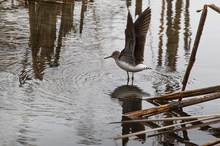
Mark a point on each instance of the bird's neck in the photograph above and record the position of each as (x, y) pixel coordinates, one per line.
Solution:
(117, 57)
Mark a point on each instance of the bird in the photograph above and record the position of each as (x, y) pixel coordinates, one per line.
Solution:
(131, 58)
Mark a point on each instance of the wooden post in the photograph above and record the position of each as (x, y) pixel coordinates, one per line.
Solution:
(197, 40)
(195, 47)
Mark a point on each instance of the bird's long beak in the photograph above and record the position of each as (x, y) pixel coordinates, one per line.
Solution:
(108, 57)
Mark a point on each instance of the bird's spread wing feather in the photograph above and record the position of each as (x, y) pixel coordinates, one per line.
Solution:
(127, 54)
(141, 26)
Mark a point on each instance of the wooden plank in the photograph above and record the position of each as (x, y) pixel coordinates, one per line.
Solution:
(173, 105)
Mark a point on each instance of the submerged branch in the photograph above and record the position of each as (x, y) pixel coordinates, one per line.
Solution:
(187, 128)
(173, 105)
(212, 143)
(171, 126)
(168, 119)
(183, 94)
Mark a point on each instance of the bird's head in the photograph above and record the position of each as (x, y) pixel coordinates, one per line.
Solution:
(114, 55)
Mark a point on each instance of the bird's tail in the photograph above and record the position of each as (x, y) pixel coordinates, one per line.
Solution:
(148, 68)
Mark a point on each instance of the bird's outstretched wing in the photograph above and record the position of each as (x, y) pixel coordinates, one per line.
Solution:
(127, 54)
(141, 26)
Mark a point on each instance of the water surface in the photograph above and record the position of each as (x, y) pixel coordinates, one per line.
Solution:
(56, 88)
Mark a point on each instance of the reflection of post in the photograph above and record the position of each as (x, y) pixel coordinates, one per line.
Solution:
(165, 139)
(65, 26)
(138, 7)
(187, 33)
(42, 35)
(172, 136)
(173, 27)
(187, 41)
(47, 33)
(34, 41)
(173, 33)
(161, 28)
(24, 76)
(24, 73)
(129, 105)
(43, 22)
(83, 9)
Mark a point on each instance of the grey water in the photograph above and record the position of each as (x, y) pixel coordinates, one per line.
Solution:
(57, 89)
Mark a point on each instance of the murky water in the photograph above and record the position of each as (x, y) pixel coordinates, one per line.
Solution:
(56, 88)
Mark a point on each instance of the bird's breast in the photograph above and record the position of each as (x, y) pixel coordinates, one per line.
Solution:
(129, 67)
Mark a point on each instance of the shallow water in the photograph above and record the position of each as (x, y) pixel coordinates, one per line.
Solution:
(56, 88)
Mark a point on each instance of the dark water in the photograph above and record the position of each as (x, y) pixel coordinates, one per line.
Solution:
(56, 88)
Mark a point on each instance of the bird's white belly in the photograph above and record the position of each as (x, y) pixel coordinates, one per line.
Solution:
(130, 68)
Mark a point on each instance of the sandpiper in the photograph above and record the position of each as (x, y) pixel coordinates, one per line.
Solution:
(131, 58)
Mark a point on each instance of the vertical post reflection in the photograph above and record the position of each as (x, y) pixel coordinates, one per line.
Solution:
(161, 29)
(138, 7)
(171, 22)
(83, 9)
(187, 32)
(174, 12)
(130, 105)
(44, 43)
(173, 33)
(43, 35)
(65, 26)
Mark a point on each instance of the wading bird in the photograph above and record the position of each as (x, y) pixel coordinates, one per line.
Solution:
(131, 58)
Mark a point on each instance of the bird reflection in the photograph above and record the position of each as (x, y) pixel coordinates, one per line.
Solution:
(129, 92)
(131, 98)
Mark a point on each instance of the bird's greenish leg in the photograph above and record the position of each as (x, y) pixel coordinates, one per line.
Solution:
(132, 78)
(128, 78)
